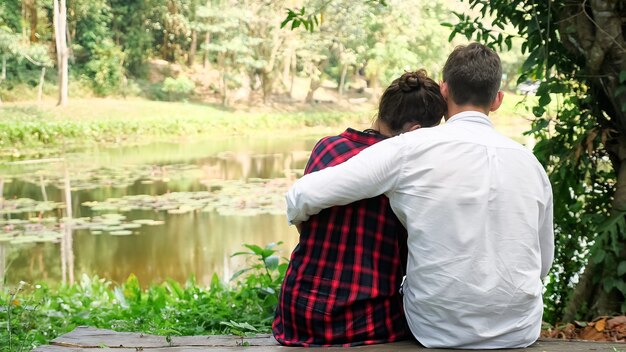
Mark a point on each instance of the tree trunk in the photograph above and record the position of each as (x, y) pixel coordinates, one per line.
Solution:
(3, 74)
(70, 52)
(267, 81)
(294, 67)
(60, 24)
(285, 76)
(315, 73)
(598, 38)
(342, 80)
(32, 18)
(315, 83)
(67, 251)
(221, 63)
(205, 56)
(192, 50)
(41, 80)
(224, 90)
(374, 84)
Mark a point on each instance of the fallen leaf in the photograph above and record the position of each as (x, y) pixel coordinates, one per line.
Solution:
(600, 325)
(590, 333)
(615, 321)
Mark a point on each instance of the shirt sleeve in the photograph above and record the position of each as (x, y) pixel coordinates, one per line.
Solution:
(546, 234)
(372, 172)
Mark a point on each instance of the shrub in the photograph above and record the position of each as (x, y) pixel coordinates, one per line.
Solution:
(178, 88)
(105, 69)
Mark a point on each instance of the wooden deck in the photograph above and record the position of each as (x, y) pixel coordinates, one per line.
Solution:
(86, 338)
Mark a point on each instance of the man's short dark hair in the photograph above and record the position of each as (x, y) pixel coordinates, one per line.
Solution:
(473, 73)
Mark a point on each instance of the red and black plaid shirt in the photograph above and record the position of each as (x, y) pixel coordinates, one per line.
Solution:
(341, 287)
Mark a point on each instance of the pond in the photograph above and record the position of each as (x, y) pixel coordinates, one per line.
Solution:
(163, 210)
(158, 211)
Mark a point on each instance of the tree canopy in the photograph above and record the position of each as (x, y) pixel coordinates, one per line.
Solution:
(112, 44)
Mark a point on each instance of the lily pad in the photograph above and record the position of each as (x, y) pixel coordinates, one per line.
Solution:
(121, 233)
(236, 198)
(148, 222)
(27, 205)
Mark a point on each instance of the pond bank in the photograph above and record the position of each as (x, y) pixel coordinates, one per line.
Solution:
(35, 131)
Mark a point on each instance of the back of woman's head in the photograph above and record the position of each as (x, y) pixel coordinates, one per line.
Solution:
(414, 98)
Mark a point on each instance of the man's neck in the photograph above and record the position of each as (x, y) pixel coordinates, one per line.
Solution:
(454, 109)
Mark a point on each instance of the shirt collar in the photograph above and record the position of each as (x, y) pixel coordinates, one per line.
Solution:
(362, 137)
(471, 116)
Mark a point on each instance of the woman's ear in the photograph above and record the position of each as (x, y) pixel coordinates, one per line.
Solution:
(414, 127)
(410, 126)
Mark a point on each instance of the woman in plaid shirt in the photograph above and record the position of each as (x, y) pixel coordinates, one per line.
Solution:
(341, 287)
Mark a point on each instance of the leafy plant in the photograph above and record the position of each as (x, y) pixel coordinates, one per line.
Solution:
(265, 275)
(240, 329)
(19, 322)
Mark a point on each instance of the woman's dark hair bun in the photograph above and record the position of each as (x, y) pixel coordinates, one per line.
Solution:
(411, 81)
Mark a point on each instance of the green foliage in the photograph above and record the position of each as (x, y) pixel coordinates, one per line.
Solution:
(311, 20)
(38, 314)
(132, 28)
(178, 88)
(94, 50)
(11, 15)
(242, 40)
(92, 19)
(105, 68)
(391, 50)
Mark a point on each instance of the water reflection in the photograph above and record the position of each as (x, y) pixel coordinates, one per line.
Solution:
(3, 263)
(195, 243)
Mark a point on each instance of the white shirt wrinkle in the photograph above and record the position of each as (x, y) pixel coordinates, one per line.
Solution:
(478, 210)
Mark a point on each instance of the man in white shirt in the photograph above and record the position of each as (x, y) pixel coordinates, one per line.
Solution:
(477, 207)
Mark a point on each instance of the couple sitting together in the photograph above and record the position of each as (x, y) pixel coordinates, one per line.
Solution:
(438, 233)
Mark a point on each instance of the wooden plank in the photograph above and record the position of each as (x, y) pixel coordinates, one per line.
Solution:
(382, 348)
(87, 339)
(541, 346)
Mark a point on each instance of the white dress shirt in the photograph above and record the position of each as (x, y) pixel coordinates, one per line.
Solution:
(478, 210)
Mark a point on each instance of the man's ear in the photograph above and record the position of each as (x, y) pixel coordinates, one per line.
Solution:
(495, 104)
(443, 88)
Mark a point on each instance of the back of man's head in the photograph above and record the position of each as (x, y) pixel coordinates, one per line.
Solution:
(473, 73)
